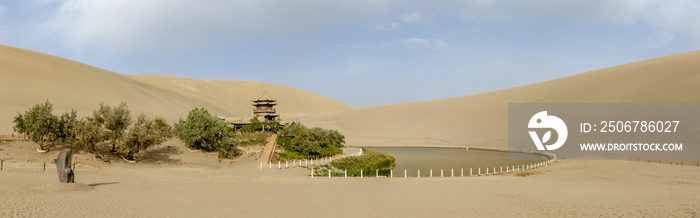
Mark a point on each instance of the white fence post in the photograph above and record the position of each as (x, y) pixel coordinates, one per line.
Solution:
(270, 164)
(501, 171)
(346, 173)
(441, 173)
(279, 164)
(418, 173)
(494, 170)
(431, 172)
(462, 172)
(479, 171)
(405, 173)
(377, 173)
(487, 171)
(361, 175)
(392, 173)
(470, 171)
(261, 165)
(453, 172)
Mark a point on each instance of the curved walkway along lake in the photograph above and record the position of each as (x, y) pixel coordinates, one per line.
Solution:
(447, 159)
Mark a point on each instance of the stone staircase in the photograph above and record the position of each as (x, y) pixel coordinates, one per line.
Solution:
(269, 149)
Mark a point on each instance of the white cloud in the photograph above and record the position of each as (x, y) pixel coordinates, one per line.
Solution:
(128, 26)
(171, 26)
(414, 17)
(679, 18)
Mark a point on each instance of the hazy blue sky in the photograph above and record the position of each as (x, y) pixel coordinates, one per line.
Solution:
(362, 52)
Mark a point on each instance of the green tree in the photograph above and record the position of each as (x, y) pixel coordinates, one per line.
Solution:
(255, 125)
(144, 133)
(310, 141)
(67, 126)
(272, 126)
(39, 124)
(335, 138)
(89, 132)
(203, 131)
(228, 148)
(303, 144)
(116, 120)
(161, 123)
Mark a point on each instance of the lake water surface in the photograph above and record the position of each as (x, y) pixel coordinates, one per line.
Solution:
(447, 159)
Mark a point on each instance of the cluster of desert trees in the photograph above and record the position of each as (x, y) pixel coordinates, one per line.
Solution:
(113, 124)
(311, 140)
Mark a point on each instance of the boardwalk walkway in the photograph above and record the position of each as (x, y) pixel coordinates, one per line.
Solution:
(269, 149)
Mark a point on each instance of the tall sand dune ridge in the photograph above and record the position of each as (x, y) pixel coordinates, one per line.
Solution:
(482, 119)
(477, 120)
(30, 77)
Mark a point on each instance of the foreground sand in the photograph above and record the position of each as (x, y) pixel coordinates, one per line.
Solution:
(196, 185)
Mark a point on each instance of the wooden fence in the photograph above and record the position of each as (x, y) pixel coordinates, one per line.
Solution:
(14, 137)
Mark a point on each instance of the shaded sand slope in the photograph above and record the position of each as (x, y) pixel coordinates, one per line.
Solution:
(31, 77)
(481, 119)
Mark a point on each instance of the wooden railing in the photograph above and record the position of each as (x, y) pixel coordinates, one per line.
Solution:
(14, 137)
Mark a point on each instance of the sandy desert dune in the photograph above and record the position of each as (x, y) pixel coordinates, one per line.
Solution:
(481, 119)
(475, 120)
(31, 77)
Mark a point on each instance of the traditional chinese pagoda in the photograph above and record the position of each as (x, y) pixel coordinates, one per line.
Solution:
(265, 108)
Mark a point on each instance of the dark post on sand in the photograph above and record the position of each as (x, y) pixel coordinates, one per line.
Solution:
(63, 166)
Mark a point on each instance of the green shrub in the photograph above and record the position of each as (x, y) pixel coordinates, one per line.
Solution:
(89, 132)
(368, 162)
(116, 120)
(326, 149)
(205, 132)
(228, 148)
(314, 141)
(143, 134)
(42, 126)
(256, 126)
